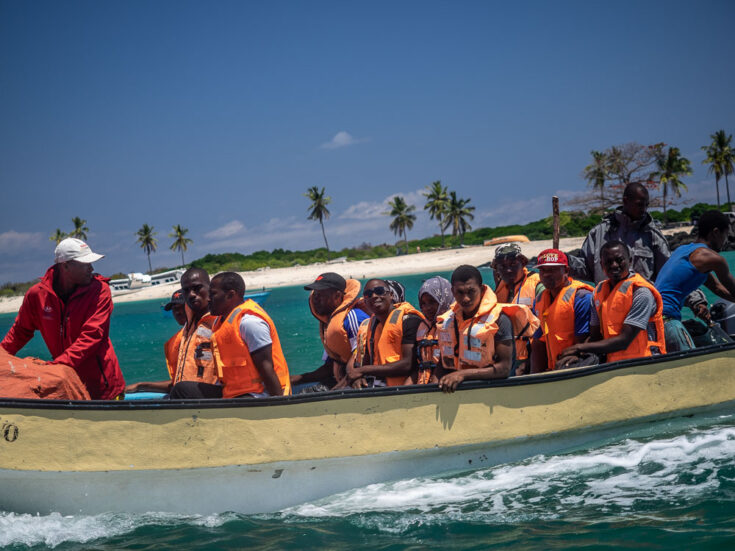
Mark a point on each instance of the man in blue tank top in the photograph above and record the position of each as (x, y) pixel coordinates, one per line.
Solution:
(689, 267)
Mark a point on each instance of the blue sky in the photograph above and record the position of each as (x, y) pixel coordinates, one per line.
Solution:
(219, 115)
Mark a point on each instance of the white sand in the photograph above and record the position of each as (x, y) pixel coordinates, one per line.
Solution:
(420, 263)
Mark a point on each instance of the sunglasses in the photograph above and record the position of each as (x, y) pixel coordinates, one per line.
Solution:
(377, 291)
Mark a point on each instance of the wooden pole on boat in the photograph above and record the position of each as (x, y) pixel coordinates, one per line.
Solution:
(555, 207)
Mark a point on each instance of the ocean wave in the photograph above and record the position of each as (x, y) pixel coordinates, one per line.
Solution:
(618, 478)
(54, 529)
(633, 479)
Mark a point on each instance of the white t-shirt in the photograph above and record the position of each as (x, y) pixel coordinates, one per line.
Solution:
(255, 332)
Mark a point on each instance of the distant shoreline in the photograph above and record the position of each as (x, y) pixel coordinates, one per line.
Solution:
(419, 263)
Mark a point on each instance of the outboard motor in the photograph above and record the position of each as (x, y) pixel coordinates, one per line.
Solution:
(723, 313)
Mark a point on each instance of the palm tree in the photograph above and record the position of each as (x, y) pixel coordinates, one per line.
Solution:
(457, 216)
(671, 167)
(147, 242)
(58, 236)
(717, 152)
(437, 201)
(403, 217)
(596, 174)
(181, 242)
(318, 209)
(80, 228)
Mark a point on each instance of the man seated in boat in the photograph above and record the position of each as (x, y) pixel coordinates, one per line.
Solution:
(563, 309)
(476, 335)
(177, 307)
(691, 266)
(627, 319)
(335, 302)
(435, 298)
(633, 225)
(385, 352)
(71, 307)
(516, 286)
(247, 350)
(194, 362)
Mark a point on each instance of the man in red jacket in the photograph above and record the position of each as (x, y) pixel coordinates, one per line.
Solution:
(71, 308)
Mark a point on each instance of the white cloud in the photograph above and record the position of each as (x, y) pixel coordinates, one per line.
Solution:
(228, 230)
(340, 139)
(368, 210)
(13, 241)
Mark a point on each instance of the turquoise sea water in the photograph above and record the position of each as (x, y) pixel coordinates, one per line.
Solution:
(674, 489)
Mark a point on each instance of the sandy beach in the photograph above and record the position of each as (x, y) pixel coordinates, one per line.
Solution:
(419, 263)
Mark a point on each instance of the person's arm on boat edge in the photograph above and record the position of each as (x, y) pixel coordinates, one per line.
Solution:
(263, 360)
(149, 386)
(708, 261)
(604, 346)
(322, 372)
(500, 369)
(93, 332)
(390, 369)
(22, 329)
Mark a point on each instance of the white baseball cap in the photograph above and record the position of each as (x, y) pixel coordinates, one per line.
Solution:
(75, 249)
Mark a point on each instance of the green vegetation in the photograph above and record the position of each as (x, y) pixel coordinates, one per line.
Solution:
(671, 166)
(16, 289)
(720, 157)
(181, 242)
(148, 242)
(80, 229)
(437, 203)
(318, 209)
(403, 217)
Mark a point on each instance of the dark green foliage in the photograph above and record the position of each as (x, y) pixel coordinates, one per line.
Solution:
(16, 289)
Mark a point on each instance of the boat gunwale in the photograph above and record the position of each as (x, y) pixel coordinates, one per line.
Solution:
(218, 403)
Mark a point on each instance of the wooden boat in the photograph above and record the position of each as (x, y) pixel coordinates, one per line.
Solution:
(506, 239)
(261, 455)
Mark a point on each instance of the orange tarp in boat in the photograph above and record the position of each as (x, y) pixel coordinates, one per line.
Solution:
(34, 378)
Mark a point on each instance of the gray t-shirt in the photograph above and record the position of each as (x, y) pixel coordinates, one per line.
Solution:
(505, 329)
(643, 307)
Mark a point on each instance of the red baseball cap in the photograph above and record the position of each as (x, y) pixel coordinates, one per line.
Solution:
(552, 257)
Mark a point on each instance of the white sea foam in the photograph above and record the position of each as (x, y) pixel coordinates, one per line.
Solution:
(608, 479)
(55, 529)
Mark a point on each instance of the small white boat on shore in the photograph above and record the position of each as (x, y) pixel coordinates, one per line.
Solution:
(262, 455)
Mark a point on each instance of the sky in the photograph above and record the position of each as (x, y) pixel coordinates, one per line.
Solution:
(219, 115)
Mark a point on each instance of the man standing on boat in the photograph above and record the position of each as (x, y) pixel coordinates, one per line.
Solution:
(627, 319)
(563, 309)
(691, 266)
(71, 307)
(245, 344)
(335, 302)
(476, 335)
(632, 225)
(516, 286)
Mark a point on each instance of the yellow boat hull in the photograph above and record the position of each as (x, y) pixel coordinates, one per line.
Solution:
(263, 455)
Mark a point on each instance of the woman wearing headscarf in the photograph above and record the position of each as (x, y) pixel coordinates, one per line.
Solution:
(435, 298)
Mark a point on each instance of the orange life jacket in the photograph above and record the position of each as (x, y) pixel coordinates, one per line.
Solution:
(235, 366)
(427, 346)
(613, 305)
(194, 361)
(557, 319)
(470, 343)
(525, 293)
(525, 290)
(332, 331)
(380, 344)
(171, 352)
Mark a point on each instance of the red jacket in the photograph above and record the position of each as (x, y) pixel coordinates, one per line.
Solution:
(76, 333)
